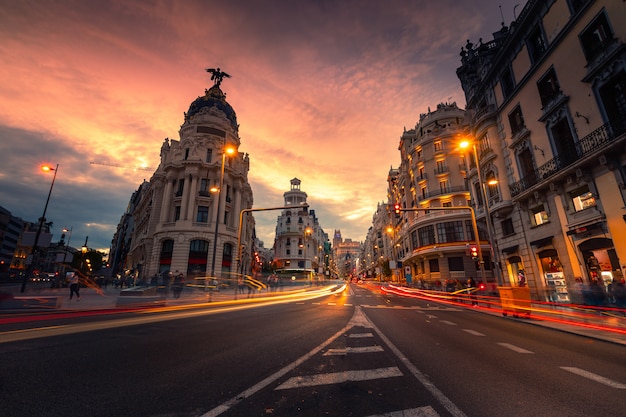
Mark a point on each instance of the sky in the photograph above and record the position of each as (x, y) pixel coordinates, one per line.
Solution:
(323, 91)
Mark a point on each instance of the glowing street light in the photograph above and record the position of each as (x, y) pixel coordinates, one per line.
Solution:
(228, 150)
(45, 168)
(492, 243)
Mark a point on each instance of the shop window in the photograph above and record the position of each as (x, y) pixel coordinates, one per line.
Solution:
(596, 37)
(507, 227)
(539, 216)
(582, 198)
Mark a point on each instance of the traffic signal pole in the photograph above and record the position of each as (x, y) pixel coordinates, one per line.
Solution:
(474, 226)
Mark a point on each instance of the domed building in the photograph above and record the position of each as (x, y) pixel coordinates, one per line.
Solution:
(187, 216)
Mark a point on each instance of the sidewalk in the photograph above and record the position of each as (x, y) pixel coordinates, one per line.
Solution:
(40, 298)
(608, 325)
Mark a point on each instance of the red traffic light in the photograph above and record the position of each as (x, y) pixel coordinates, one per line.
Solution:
(396, 208)
(474, 252)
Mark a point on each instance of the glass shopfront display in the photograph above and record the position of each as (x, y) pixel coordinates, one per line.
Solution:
(554, 277)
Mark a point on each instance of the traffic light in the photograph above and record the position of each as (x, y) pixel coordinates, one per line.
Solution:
(474, 252)
(397, 208)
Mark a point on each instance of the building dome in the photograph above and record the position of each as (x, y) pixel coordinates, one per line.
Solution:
(212, 97)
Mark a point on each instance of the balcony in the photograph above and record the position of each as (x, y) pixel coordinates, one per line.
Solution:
(590, 144)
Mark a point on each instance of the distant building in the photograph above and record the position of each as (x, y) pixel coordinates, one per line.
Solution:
(346, 254)
(11, 228)
(177, 215)
(300, 242)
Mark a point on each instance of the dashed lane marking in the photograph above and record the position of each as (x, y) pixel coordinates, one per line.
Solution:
(449, 323)
(414, 412)
(515, 348)
(594, 377)
(473, 332)
(339, 377)
(363, 349)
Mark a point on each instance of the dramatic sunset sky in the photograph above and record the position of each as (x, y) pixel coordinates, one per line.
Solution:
(322, 89)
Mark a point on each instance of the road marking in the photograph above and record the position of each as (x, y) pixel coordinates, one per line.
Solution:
(356, 335)
(449, 323)
(339, 377)
(473, 332)
(414, 412)
(594, 377)
(363, 349)
(515, 348)
(332, 304)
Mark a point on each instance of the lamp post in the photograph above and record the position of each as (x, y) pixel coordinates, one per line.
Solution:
(41, 220)
(218, 191)
(83, 250)
(481, 185)
(67, 244)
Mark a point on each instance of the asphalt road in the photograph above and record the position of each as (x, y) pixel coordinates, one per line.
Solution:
(352, 354)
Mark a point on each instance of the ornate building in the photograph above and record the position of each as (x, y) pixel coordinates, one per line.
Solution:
(547, 105)
(186, 217)
(300, 243)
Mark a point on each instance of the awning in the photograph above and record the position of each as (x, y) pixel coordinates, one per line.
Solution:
(541, 242)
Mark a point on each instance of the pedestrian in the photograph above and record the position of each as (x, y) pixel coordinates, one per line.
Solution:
(177, 286)
(471, 285)
(74, 287)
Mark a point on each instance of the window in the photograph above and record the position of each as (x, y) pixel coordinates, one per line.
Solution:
(181, 187)
(423, 191)
(539, 215)
(516, 121)
(441, 166)
(288, 241)
(419, 153)
(186, 153)
(176, 213)
(455, 263)
(507, 82)
(443, 186)
(209, 155)
(204, 187)
(421, 173)
(582, 198)
(437, 146)
(450, 232)
(427, 235)
(596, 37)
(198, 252)
(507, 227)
(434, 265)
(536, 44)
(548, 87)
(203, 214)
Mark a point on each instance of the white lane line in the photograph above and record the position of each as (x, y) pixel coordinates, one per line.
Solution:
(413, 412)
(332, 304)
(594, 377)
(363, 349)
(515, 348)
(357, 335)
(423, 379)
(473, 332)
(339, 377)
(449, 323)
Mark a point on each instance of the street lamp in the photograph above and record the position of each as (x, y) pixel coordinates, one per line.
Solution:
(481, 185)
(45, 168)
(218, 191)
(83, 250)
(67, 244)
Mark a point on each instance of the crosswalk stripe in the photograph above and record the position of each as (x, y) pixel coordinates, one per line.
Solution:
(339, 377)
(357, 335)
(413, 412)
(363, 349)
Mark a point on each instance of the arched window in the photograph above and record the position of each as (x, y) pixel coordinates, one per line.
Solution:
(196, 264)
(165, 257)
(227, 258)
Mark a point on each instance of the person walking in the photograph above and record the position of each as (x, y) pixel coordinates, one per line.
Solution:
(74, 287)
(471, 286)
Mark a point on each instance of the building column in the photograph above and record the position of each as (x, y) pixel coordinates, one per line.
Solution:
(192, 197)
(167, 201)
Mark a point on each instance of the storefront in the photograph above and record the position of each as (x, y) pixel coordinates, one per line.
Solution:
(551, 269)
(601, 261)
